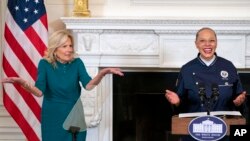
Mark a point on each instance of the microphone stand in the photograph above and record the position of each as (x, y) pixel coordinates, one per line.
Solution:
(208, 106)
(207, 101)
(213, 98)
(74, 130)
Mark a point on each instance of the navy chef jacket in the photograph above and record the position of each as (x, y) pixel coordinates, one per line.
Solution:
(221, 72)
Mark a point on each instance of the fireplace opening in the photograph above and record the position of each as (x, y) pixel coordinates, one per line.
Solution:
(140, 110)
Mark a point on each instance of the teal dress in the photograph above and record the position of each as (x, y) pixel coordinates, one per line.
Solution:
(61, 90)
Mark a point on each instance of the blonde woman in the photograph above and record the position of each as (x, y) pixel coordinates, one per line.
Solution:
(59, 74)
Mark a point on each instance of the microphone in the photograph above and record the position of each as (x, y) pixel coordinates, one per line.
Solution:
(201, 92)
(215, 92)
(74, 130)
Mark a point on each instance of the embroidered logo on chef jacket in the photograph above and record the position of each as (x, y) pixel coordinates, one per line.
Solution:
(224, 75)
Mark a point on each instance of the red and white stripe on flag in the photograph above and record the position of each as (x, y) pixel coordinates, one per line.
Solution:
(25, 40)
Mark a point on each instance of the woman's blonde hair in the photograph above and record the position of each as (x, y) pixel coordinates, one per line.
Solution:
(56, 39)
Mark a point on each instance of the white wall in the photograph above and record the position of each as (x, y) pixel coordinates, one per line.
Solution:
(172, 8)
(182, 9)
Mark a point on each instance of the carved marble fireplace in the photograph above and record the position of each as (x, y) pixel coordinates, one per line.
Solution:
(145, 44)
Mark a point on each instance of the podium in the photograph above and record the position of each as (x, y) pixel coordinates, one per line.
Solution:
(180, 125)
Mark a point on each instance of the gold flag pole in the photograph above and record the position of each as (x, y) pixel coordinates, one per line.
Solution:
(81, 8)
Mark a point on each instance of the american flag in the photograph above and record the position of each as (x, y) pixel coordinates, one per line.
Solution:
(25, 40)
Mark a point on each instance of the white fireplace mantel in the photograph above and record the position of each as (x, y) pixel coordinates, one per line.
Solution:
(155, 23)
(165, 42)
(142, 43)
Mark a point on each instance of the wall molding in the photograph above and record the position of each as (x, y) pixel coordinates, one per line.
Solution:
(161, 23)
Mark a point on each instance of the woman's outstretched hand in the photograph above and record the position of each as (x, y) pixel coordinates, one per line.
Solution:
(13, 80)
(240, 99)
(96, 80)
(116, 71)
(172, 97)
(30, 88)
